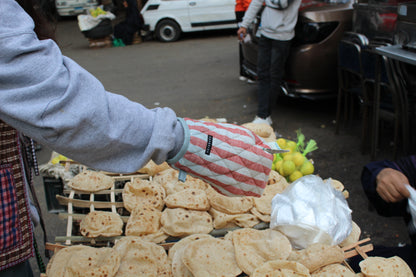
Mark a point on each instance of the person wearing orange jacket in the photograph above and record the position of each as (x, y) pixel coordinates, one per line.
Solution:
(240, 8)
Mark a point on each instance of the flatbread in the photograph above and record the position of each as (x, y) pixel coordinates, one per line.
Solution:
(151, 168)
(318, 255)
(255, 247)
(333, 270)
(229, 205)
(259, 215)
(281, 268)
(262, 130)
(101, 224)
(86, 261)
(222, 220)
(143, 221)
(192, 199)
(385, 267)
(141, 192)
(176, 253)
(263, 204)
(141, 258)
(180, 222)
(276, 178)
(91, 181)
(211, 257)
(184, 241)
(168, 179)
(353, 237)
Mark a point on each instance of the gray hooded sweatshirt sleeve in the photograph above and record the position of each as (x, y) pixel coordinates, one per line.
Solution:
(52, 99)
(275, 24)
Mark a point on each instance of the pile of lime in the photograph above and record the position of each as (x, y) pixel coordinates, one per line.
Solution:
(96, 12)
(294, 164)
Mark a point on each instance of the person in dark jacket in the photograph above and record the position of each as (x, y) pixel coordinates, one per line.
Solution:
(126, 29)
(384, 183)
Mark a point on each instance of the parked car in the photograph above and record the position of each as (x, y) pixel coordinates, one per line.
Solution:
(74, 7)
(312, 65)
(167, 19)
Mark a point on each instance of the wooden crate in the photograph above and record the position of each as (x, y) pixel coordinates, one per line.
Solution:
(100, 42)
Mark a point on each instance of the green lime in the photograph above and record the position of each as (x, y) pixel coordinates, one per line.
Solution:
(295, 175)
(298, 159)
(288, 167)
(307, 168)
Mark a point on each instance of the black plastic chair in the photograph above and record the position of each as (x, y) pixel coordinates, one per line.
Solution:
(350, 80)
(389, 106)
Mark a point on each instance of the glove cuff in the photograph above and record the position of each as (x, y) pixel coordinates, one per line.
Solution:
(184, 148)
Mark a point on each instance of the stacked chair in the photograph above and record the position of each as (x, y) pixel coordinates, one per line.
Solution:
(357, 63)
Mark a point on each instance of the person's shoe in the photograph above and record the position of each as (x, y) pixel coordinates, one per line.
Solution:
(243, 78)
(251, 81)
(259, 120)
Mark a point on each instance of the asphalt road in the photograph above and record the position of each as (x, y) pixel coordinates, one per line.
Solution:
(197, 77)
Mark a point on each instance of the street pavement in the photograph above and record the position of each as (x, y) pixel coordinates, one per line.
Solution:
(198, 77)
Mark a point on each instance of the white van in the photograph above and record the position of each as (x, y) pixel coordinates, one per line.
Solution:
(169, 18)
(74, 7)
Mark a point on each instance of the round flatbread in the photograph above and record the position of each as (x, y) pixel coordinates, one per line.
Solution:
(259, 215)
(262, 130)
(143, 221)
(211, 257)
(176, 254)
(81, 260)
(168, 179)
(263, 204)
(143, 193)
(333, 270)
(255, 247)
(184, 241)
(222, 220)
(180, 222)
(229, 205)
(151, 168)
(101, 223)
(192, 199)
(383, 267)
(91, 181)
(281, 268)
(317, 255)
(141, 258)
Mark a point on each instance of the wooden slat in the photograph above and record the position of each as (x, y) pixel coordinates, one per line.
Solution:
(69, 221)
(78, 217)
(107, 191)
(86, 203)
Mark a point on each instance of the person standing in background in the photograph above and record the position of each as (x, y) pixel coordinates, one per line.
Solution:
(241, 7)
(278, 22)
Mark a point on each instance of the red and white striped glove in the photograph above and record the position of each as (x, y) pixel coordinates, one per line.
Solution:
(229, 157)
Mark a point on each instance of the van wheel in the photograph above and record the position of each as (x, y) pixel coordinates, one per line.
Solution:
(168, 31)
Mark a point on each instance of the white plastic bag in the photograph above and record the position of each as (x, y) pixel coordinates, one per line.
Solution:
(311, 211)
(412, 204)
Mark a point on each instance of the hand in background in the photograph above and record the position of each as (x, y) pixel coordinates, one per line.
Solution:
(391, 185)
(241, 33)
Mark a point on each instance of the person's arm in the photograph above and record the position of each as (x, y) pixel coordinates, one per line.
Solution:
(52, 99)
(383, 182)
(55, 101)
(249, 16)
